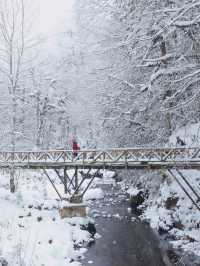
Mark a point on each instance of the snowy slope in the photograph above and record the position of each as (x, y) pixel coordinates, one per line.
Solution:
(180, 219)
(170, 209)
(190, 134)
(32, 232)
(167, 208)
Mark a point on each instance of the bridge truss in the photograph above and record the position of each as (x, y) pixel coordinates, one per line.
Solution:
(154, 158)
(170, 159)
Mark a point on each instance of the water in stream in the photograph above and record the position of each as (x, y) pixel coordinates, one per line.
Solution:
(125, 240)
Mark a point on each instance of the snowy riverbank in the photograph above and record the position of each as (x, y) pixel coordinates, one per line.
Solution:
(173, 213)
(32, 232)
(167, 207)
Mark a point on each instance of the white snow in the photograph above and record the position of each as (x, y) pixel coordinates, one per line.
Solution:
(184, 212)
(108, 174)
(31, 230)
(133, 191)
(190, 134)
(181, 220)
(93, 194)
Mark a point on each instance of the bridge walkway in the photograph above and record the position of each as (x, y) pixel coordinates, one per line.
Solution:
(132, 158)
(169, 159)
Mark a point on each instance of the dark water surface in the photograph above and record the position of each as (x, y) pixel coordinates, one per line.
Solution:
(125, 240)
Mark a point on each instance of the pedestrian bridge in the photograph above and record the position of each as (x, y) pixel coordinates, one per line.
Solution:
(120, 158)
(171, 159)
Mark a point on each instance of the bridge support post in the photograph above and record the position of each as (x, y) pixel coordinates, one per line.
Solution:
(52, 183)
(76, 179)
(184, 189)
(76, 197)
(73, 210)
(189, 185)
(65, 180)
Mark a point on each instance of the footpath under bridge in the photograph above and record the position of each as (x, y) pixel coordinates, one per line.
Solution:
(170, 159)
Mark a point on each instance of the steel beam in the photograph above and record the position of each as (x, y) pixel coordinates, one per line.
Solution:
(184, 189)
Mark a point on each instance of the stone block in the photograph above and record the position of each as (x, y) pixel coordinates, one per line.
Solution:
(73, 210)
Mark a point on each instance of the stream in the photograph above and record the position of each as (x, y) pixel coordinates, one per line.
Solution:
(125, 240)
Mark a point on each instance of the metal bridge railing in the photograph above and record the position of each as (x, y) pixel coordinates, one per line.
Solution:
(110, 155)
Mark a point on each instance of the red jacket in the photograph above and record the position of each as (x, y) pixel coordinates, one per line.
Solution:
(75, 146)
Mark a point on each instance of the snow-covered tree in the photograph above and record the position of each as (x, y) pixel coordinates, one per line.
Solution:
(148, 66)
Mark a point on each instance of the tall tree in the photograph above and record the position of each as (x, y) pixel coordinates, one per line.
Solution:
(152, 61)
(13, 29)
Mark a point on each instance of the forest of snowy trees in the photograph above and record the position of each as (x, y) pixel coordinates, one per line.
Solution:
(147, 56)
(125, 75)
(107, 74)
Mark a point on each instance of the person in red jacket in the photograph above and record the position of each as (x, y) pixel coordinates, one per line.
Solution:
(75, 147)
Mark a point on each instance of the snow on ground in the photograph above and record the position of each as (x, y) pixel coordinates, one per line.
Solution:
(168, 208)
(190, 135)
(94, 193)
(133, 191)
(32, 232)
(174, 213)
(108, 178)
(108, 174)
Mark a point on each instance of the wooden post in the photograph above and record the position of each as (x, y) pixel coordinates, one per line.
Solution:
(183, 188)
(65, 180)
(45, 172)
(94, 175)
(76, 179)
(189, 185)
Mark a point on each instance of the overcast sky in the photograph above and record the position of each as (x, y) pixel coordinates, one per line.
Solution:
(54, 16)
(52, 20)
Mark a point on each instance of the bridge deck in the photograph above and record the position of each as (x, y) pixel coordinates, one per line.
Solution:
(130, 158)
(111, 166)
(139, 158)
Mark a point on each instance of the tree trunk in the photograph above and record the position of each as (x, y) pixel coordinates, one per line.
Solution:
(12, 171)
(12, 180)
(163, 51)
(168, 122)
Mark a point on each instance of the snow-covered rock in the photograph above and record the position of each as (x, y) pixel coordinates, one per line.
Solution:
(133, 191)
(93, 194)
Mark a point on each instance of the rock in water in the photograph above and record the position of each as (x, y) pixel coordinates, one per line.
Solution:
(90, 227)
